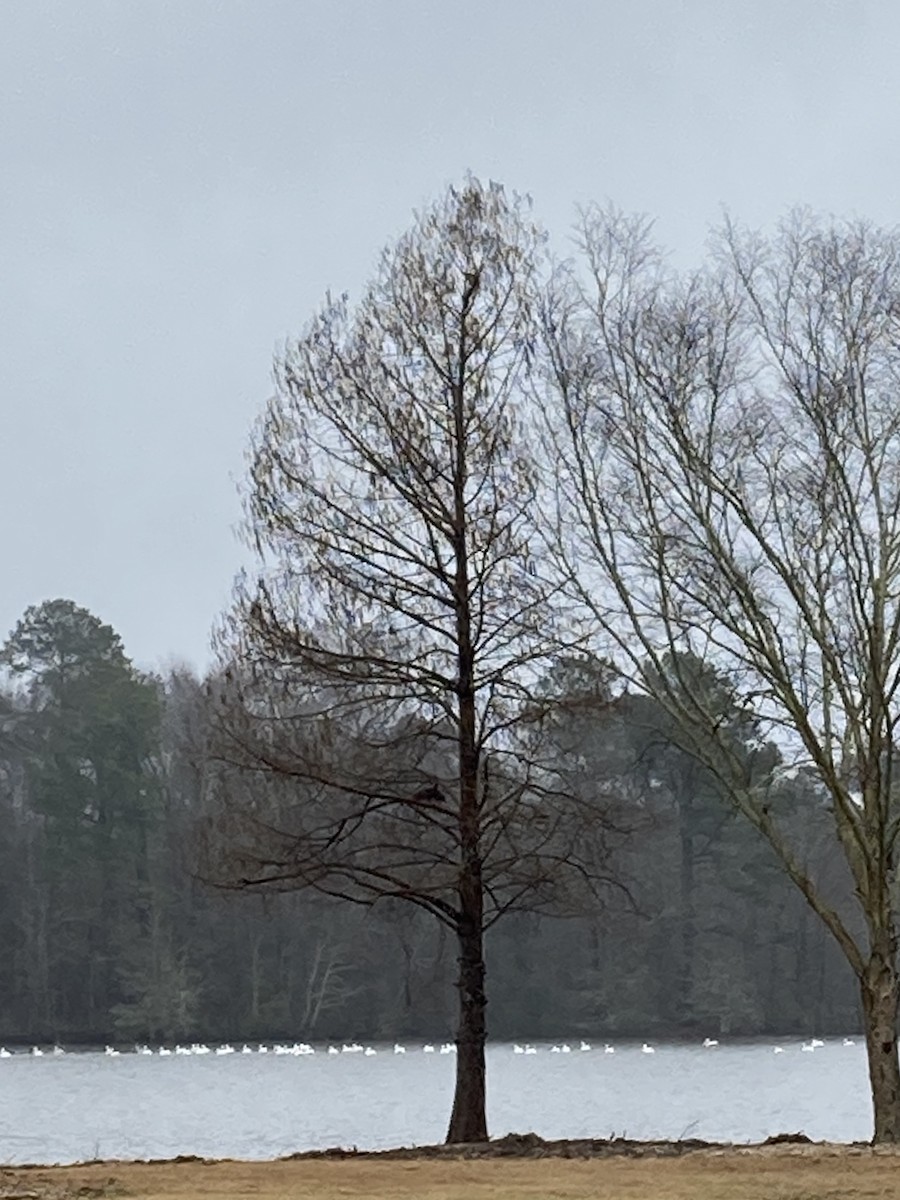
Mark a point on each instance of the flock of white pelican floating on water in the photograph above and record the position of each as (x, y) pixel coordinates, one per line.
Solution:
(301, 1049)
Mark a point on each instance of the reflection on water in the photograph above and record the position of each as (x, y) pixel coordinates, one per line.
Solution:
(78, 1106)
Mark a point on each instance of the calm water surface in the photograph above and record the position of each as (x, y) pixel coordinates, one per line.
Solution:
(258, 1106)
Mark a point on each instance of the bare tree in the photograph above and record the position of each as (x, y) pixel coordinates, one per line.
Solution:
(380, 665)
(730, 488)
(328, 981)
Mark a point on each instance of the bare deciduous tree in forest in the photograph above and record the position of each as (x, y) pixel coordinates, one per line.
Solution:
(730, 489)
(381, 664)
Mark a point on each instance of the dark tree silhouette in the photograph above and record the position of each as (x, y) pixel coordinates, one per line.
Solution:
(383, 663)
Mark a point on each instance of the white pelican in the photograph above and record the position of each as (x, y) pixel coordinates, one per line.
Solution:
(778, 1050)
(398, 1049)
(37, 1052)
(709, 1042)
(165, 1052)
(645, 1049)
(369, 1051)
(4, 1053)
(111, 1052)
(608, 1049)
(517, 1049)
(333, 1050)
(530, 1050)
(585, 1046)
(428, 1048)
(845, 1042)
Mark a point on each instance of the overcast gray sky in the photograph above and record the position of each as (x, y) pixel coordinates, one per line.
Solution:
(181, 182)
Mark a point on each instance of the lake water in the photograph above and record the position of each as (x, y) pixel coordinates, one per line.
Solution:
(89, 1105)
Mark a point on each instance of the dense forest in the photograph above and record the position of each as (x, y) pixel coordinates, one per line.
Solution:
(110, 933)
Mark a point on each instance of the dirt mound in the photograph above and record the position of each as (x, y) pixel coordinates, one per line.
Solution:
(529, 1145)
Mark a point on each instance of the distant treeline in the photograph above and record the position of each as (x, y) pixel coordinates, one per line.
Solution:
(107, 934)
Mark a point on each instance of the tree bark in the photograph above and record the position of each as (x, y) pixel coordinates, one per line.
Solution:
(880, 995)
(685, 998)
(468, 1121)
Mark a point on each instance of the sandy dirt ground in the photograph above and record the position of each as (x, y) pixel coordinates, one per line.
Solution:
(766, 1173)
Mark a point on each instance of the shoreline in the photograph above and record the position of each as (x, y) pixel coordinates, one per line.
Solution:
(517, 1167)
(515, 1146)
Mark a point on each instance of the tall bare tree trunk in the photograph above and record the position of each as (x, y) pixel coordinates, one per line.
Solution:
(468, 1121)
(880, 996)
(685, 1001)
(255, 945)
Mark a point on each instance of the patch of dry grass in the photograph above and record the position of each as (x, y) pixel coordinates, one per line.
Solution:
(810, 1173)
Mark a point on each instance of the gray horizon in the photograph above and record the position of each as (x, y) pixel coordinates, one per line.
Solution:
(184, 182)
